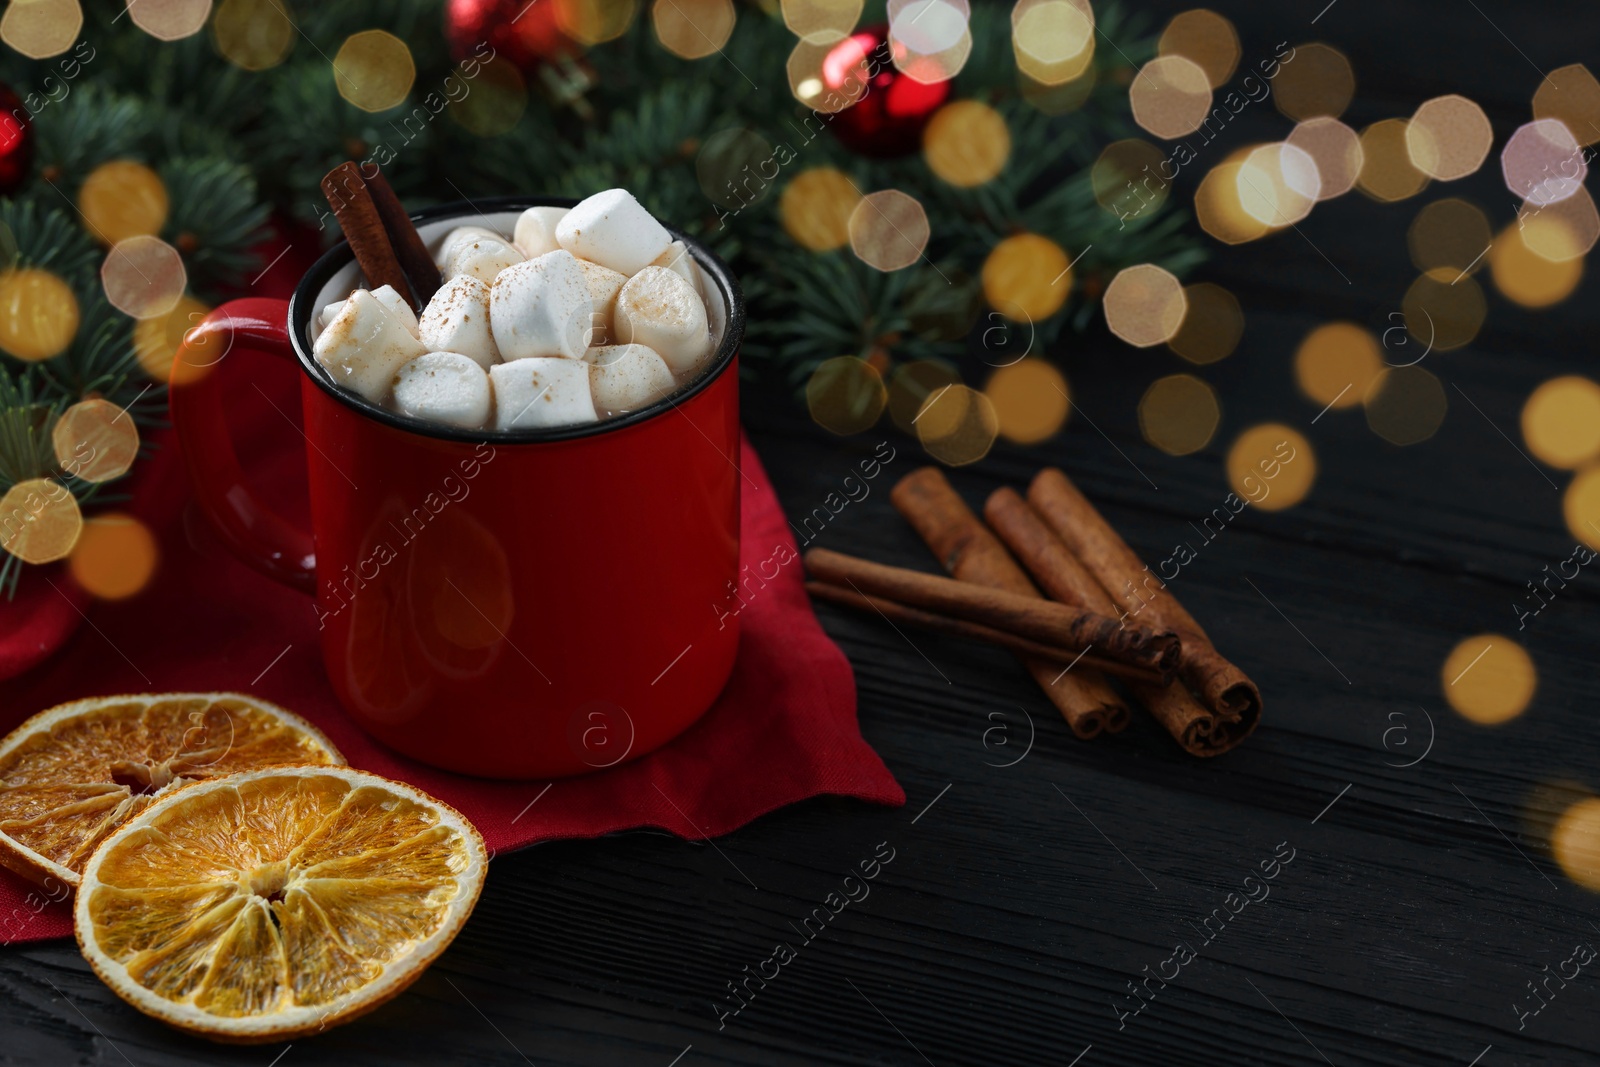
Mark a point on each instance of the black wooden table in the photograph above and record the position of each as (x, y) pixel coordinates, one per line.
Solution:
(1023, 900)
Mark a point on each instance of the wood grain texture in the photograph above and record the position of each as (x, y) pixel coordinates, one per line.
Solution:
(1021, 902)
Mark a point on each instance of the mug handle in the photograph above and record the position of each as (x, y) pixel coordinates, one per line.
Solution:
(255, 533)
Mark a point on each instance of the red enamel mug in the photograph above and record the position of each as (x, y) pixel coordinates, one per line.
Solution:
(512, 604)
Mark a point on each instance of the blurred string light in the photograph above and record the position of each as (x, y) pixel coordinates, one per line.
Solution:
(815, 208)
(1219, 209)
(1278, 184)
(40, 29)
(1448, 138)
(1543, 163)
(254, 34)
(888, 230)
(592, 22)
(156, 341)
(95, 440)
(1571, 95)
(1336, 364)
(1527, 278)
(966, 143)
(38, 314)
(169, 20)
(1561, 422)
(693, 29)
(1031, 400)
(1206, 38)
(1057, 99)
(1212, 324)
(911, 385)
(1126, 177)
(1178, 414)
(1405, 405)
(498, 98)
(122, 198)
(1580, 506)
(1053, 40)
(115, 556)
(143, 277)
(1488, 679)
(1575, 843)
(846, 395)
(929, 41)
(1027, 277)
(1387, 173)
(1272, 465)
(829, 77)
(1170, 96)
(1561, 231)
(1449, 233)
(1335, 149)
(374, 70)
(1144, 305)
(957, 425)
(821, 22)
(1444, 309)
(1318, 81)
(39, 521)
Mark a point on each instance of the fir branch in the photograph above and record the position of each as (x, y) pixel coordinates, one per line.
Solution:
(51, 237)
(214, 220)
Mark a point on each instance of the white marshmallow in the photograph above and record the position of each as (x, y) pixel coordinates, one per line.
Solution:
(541, 391)
(678, 260)
(328, 313)
(541, 307)
(481, 257)
(365, 345)
(445, 387)
(613, 230)
(604, 285)
(659, 309)
(441, 253)
(398, 304)
(536, 230)
(626, 378)
(457, 320)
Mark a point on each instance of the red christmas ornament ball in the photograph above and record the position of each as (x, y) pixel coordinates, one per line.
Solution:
(525, 33)
(889, 117)
(16, 142)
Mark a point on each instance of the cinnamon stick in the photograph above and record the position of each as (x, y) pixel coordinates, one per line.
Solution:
(409, 249)
(970, 553)
(1065, 578)
(358, 217)
(1223, 688)
(1044, 622)
(897, 614)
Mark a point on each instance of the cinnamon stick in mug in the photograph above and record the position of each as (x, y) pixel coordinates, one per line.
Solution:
(358, 217)
(970, 553)
(1043, 622)
(1220, 686)
(415, 262)
(1063, 576)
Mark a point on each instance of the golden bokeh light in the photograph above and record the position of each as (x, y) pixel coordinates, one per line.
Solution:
(1026, 277)
(1205, 37)
(1448, 137)
(888, 230)
(169, 20)
(1525, 277)
(95, 440)
(1336, 364)
(592, 22)
(156, 341)
(374, 70)
(1171, 97)
(928, 39)
(115, 556)
(1405, 405)
(1031, 400)
(1053, 40)
(497, 101)
(845, 395)
(1335, 149)
(1542, 162)
(1561, 422)
(1563, 230)
(957, 425)
(1444, 309)
(1580, 506)
(39, 521)
(1272, 466)
(1145, 305)
(1575, 843)
(911, 385)
(1488, 679)
(1449, 234)
(1212, 325)
(38, 314)
(1387, 173)
(815, 208)
(122, 199)
(1571, 96)
(828, 77)
(1057, 99)
(821, 22)
(1126, 177)
(966, 143)
(1317, 81)
(693, 29)
(253, 34)
(1219, 210)
(1178, 414)
(40, 29)
(143, 277)
(1278, 184)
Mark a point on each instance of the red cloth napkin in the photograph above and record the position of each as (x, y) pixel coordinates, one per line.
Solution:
(783, 730)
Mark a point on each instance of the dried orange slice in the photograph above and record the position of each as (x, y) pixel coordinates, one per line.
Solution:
(71, 775)
(276, 903)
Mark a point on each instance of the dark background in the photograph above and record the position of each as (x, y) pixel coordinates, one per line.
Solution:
(1415, 910)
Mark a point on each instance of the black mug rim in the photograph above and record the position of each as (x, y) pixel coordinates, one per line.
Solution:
(302, 305)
